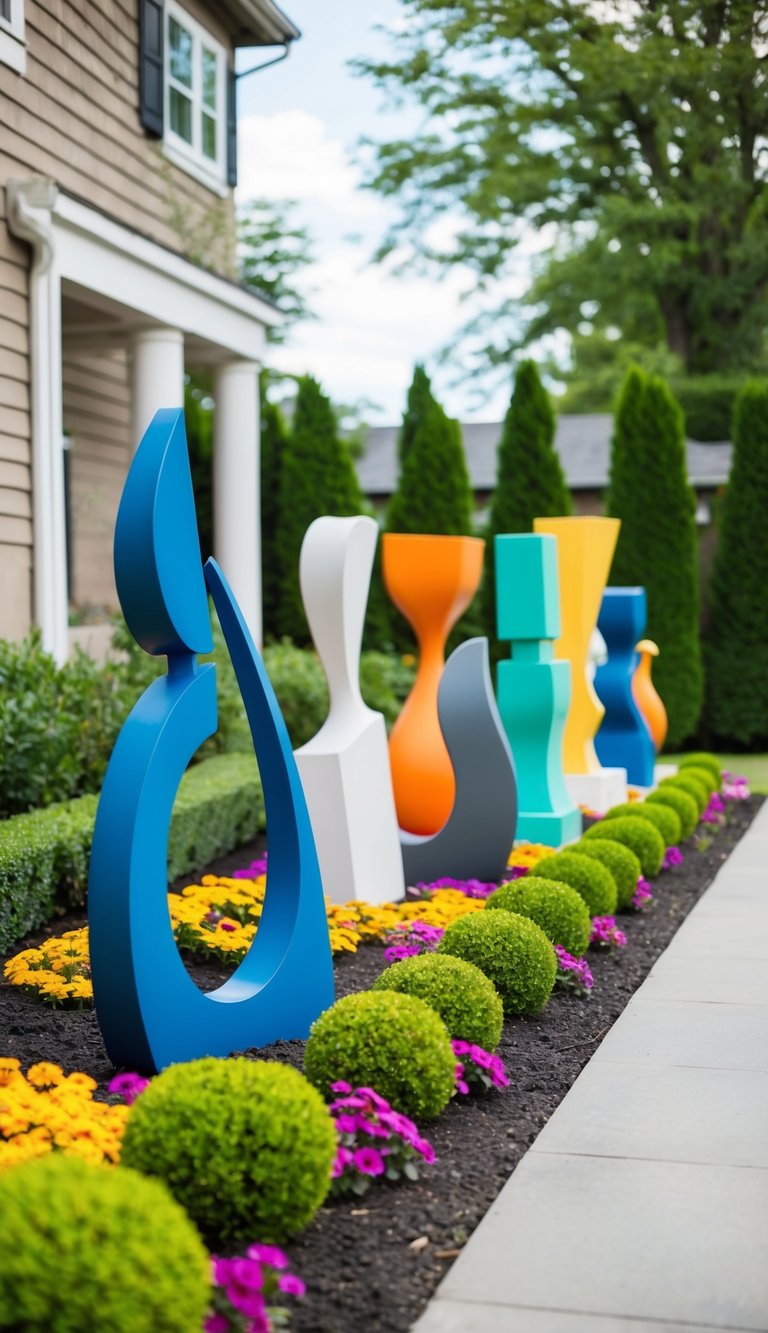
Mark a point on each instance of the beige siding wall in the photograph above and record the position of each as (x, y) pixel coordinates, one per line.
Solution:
(15, 476)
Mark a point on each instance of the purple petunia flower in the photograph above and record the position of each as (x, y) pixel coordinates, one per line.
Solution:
(216, 1323)
(369, 1162)
(128, 1086)
(291, 1285)
(672, 857)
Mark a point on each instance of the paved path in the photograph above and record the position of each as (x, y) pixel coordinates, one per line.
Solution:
(642, 1207)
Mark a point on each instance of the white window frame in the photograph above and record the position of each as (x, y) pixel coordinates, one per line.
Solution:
(190, 157)
(13, 47)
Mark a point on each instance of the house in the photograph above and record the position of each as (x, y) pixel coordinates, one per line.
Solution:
(117, 275)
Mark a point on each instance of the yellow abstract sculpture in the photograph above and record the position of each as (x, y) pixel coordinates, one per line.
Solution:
(646, 695)
(585, 548)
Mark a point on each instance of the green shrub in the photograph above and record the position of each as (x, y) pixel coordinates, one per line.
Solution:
(246, 1146)
(44, 854)
(559, 909)
(393, 1043)
(702, 759)
(589, 878)
(702, 775)
(87, 1247)
(640, 835)
(620, 861)
(385, 683)
(662, 816)
(512, 951)
(707, 401)
(299, 682)
(683, 804)
(461, 994)
(690, 783)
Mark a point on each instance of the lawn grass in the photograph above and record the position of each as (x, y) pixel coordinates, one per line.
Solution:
(754, 767)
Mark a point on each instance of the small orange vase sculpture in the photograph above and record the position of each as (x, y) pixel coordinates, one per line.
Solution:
(645, 694)
(431, 580)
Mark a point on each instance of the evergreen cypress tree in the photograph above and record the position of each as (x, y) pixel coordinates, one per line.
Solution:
(418, 402)
(737, 641)
(317, 477)
(274, 435)
(529, 476)
(433, 492)
(658, 547)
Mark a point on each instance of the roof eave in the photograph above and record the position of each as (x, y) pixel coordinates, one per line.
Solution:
(260, 23)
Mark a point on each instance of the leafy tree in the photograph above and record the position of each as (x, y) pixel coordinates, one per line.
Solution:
(272, 251)
(274, 436)
(529, 477)
(658, 548)
(629, 133)
(737, 642)
(317, 477)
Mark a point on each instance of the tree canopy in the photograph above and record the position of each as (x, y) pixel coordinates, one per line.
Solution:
(631, 134)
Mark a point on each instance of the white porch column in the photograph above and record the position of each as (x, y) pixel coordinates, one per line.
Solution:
(30, 204)
(236, 485)
(158, 375)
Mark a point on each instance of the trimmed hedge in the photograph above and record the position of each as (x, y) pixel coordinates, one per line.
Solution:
(44, 854)
(593, 881)
(684, 805)
(640, 835)
(459, 993)
(664, 817)
(559, 909)
(693, 785)
(703, 759)
(620, 861)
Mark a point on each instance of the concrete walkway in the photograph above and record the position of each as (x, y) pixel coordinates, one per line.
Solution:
(642, 1206)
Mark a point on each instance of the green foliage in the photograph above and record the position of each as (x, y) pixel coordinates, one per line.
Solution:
(393, 1043)
(657, 548)
(512, 951)
(246, 1146)
(707, 402)
(702, 759)
(691, 784)
(44, 853)
(272, 250)
(589, 878)
(666, 820)
(529, 477)
(461, 994)
(617, 132)
(620, 861)
(684, 805)
(318, 477)
(703, 774)
(418, 403)
(433, 491)
(299, 682)
(274, 436)
(737, 639)
(89, 1246)
(640, 835)
(556, 907)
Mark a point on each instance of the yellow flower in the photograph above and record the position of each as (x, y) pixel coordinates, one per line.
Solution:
(44, 1074)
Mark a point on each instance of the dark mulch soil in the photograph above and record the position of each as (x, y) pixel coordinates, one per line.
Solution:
(373, 1263)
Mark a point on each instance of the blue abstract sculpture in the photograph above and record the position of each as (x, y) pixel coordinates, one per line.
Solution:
(533, 689)
(623, 739)
(476, 840)
(149, 1009)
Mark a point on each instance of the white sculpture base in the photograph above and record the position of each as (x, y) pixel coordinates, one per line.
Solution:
(352, 811)
(598, 791)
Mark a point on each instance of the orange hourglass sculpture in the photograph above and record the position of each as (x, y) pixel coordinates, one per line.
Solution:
(646, 695)
(431, 580)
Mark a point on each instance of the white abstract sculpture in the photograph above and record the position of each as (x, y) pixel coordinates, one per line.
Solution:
(344, 769)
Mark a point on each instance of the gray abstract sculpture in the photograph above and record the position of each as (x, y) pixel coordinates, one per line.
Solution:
(477, 838)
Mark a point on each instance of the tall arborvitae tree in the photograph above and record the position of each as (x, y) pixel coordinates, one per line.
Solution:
(433, 492)
(737, 641)
(529, 476)
(274, 435)
(658, 546)
(418, 402)
(317, 477)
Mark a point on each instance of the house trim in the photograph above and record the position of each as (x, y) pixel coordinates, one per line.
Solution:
(13, 46)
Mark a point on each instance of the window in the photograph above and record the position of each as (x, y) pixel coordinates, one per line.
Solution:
(195, 93)
(13, 49)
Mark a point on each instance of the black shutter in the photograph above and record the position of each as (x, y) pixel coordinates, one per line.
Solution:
(231, 128)
(151, 72)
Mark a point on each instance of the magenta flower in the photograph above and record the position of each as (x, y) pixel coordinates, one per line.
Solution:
(346, 1124)
(246, 1273)
(249, 1303)
(343, 1160)
(255, 870)
(128, 1086)
(291, 1285)
(643, 895)
(268, 1254)
(216, 1323)
(341, 1086)
(605, 932)
(672, 857)
(572, 971)
(369, 1162)
(460, 1047)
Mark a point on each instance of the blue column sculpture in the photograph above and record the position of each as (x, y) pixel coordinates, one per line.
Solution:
(534, 689)
(623, 739)
(150, 1011)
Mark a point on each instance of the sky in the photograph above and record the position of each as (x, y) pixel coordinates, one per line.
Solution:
(299, 123)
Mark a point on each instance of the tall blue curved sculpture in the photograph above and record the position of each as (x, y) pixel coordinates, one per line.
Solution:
(149, 1009)
(623, 739)
(477, 837)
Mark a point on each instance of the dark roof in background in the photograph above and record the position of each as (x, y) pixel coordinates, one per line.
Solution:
(583, 443)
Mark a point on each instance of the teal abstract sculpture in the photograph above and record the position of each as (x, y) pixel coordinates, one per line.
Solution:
(533, 688)
(149, 1009)
(623, 739)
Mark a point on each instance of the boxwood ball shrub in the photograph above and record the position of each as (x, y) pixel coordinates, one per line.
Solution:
(246, 1146)
(665, 819)
(640, 835)
(620, 861)
(512, 951)
(556, 907)
(459, 992)
(589, 878)
(702, 775)
(87, 1247)
(683, 804)
(702, 759)
(693, 785)
(388, 1041)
